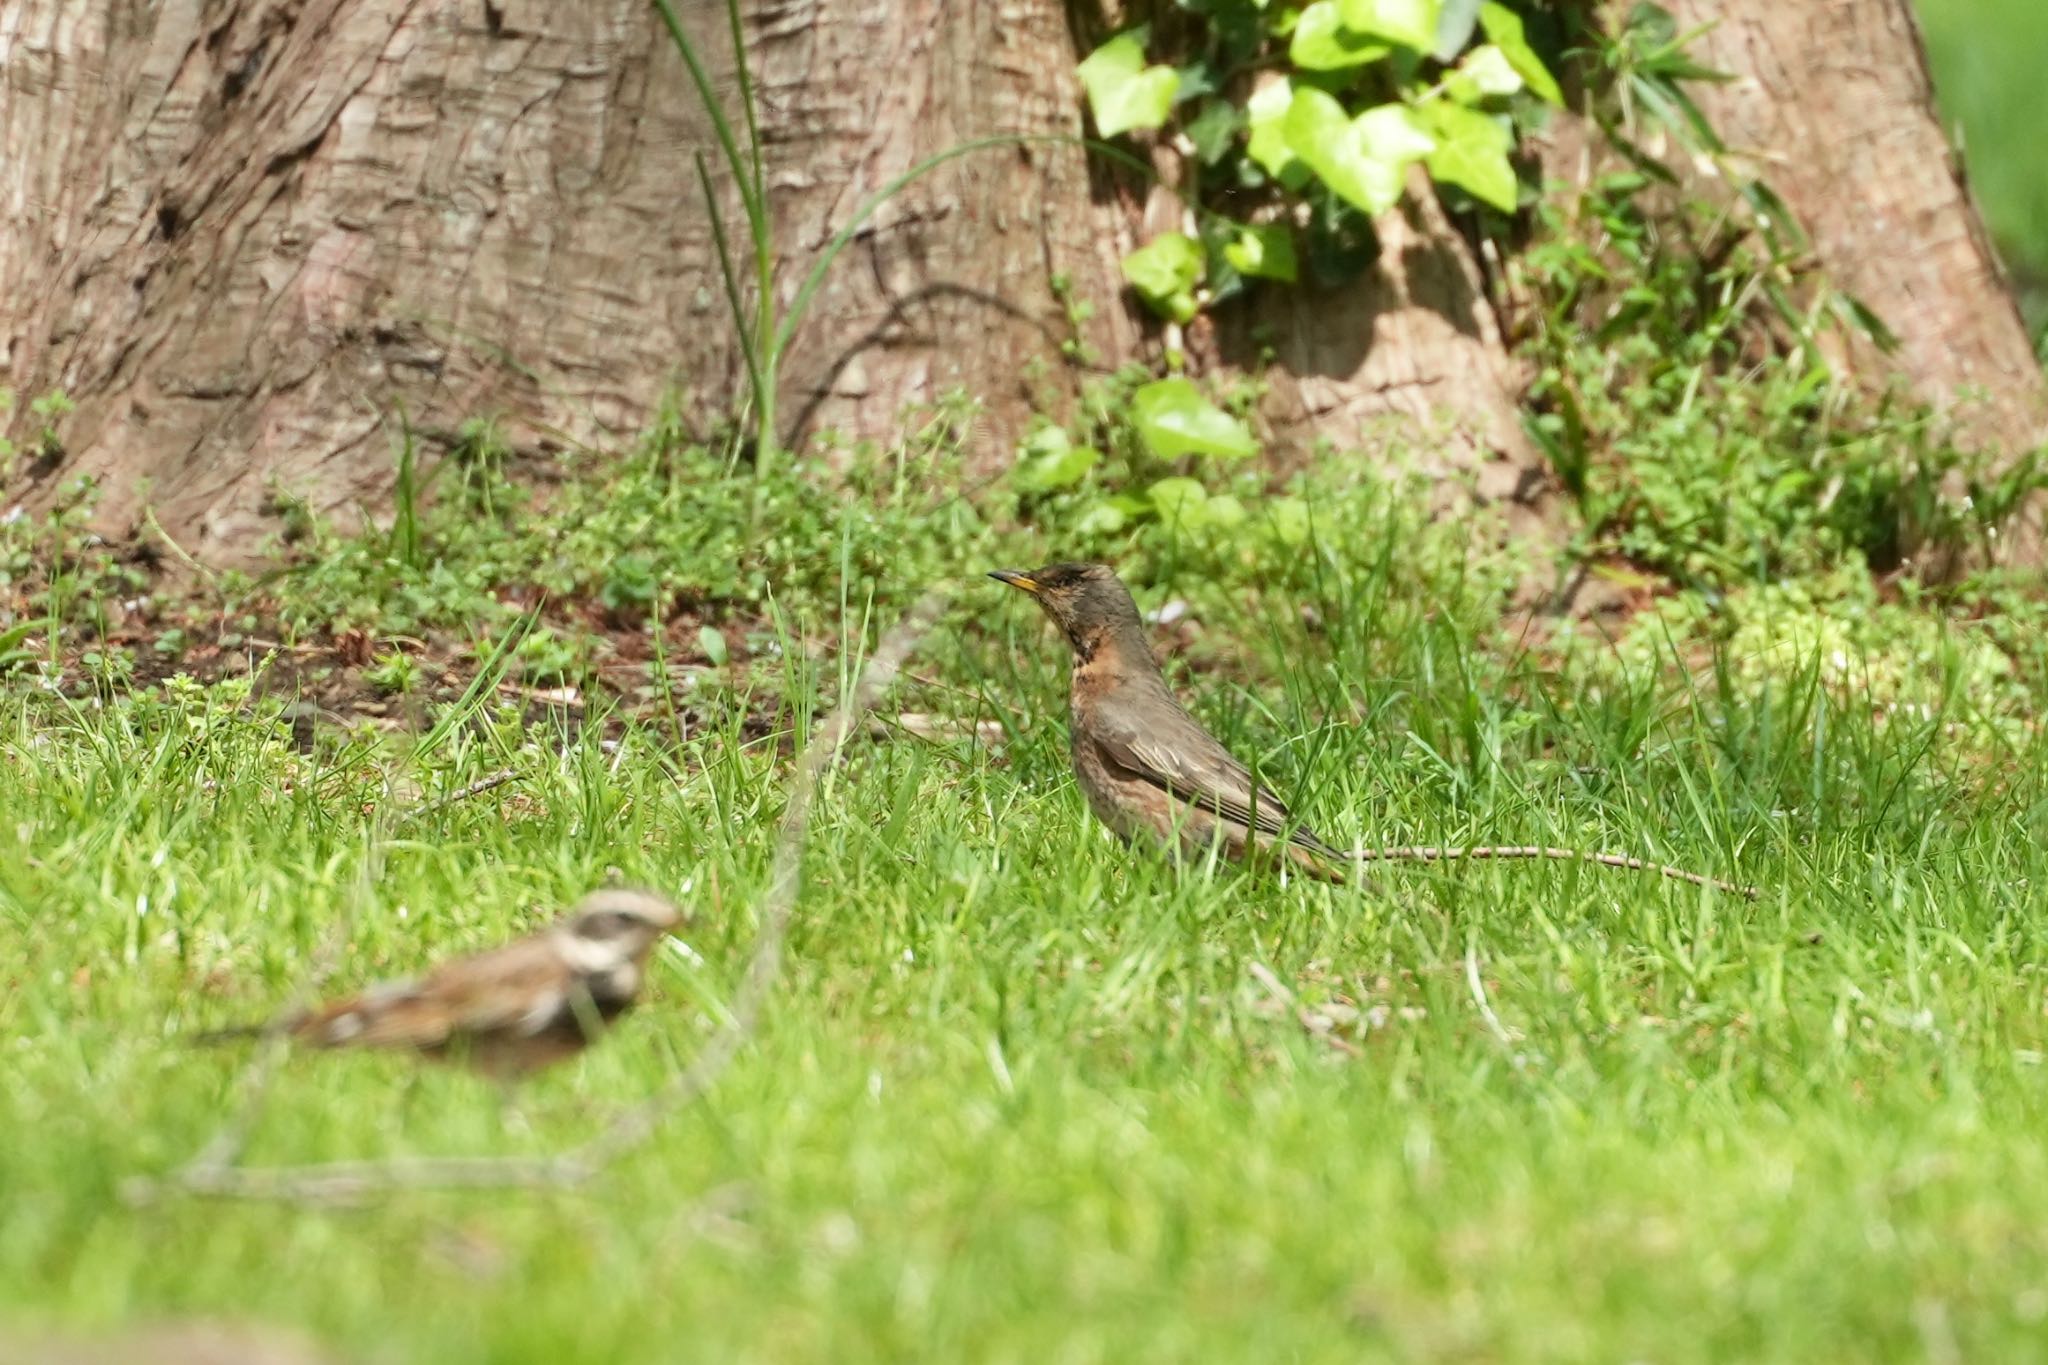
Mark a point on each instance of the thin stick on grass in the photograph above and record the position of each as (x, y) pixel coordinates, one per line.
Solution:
(215, 1173)
(477, 788)
(1432, 853)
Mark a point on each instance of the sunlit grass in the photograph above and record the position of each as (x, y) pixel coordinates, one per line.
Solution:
(1024, 1096)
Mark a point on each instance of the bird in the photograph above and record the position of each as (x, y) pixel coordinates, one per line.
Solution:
(506, 1012)
(1148, 769)
(1151, 772)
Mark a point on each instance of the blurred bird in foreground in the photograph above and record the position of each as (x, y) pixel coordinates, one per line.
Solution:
(1148, 768)
(1150, 771)
(509, 1011)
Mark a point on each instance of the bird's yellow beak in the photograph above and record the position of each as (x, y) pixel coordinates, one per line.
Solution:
(1016, 578)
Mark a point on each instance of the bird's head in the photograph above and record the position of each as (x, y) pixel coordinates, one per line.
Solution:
(1086, 601)
(619, 924)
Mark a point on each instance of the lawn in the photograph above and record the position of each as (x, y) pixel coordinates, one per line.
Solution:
(1018, 1093)
(1023, 1095)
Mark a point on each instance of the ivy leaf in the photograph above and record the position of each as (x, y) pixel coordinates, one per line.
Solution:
(1504, 30)
(1180, 500)
(1214, 129)
(1266, 116)
(1341, 242)
(1265, 250)
(1225, 280)
(1361, 159)
(1484, 73)
(1103, 519)
(1389, 132)
(1235, 24)
(1123, 92)
(1322, 136)
(1196, 79)
(1174, 419)
(1411, 23)
(1454, 28)
(1165, 272)
(1050, 461)
(1472, 153)
(1322, 43)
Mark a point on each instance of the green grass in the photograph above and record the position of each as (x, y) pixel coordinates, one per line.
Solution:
(1986, 56)
(1022, 1095)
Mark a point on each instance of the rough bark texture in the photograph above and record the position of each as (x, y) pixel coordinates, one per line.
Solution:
(1411, 353)
(240, 232)
(1834, 102)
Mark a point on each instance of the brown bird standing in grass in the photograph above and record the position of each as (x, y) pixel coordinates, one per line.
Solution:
(1148, 768)
(1150, 771)
(509, 1011)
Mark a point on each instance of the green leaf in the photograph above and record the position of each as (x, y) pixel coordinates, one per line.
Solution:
(1361, 159)
(1411, 23)
(1180, 500)
(1105, 518)
(1196, 79)
(1165, 272)
(1504, 30)
(1390, 132)
(1225, 280)
(1123, 92)
(1652, 24)
(1342, 244)
(1485, 73)
(1224, 510)
(1472, 153)
(1049, 461)
(1214, 129)
(711, 645)
(1174, 419)
(1454, 28)
(14, 647)
(1322, 43)
(1288, 521)
(1266, 116)
(1265, 250)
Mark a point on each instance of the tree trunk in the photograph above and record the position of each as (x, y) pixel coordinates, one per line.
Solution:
(1833, 106)
(241, 234)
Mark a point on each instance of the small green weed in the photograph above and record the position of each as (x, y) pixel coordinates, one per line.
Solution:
(1687, 390)
(394, 673)
(57, 575)
(1702, 437)
(667, 526)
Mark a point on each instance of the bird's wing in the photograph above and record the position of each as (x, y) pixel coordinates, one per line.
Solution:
(519, 988)
(1178, 754)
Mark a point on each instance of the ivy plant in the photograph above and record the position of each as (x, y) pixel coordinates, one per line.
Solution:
(1299, 124)
(1132, 458)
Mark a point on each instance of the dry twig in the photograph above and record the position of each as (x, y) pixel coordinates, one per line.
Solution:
(1429, 853)
(477, 788)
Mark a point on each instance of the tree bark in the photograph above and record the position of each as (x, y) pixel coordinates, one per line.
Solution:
(240, 234)
(1833, 106)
